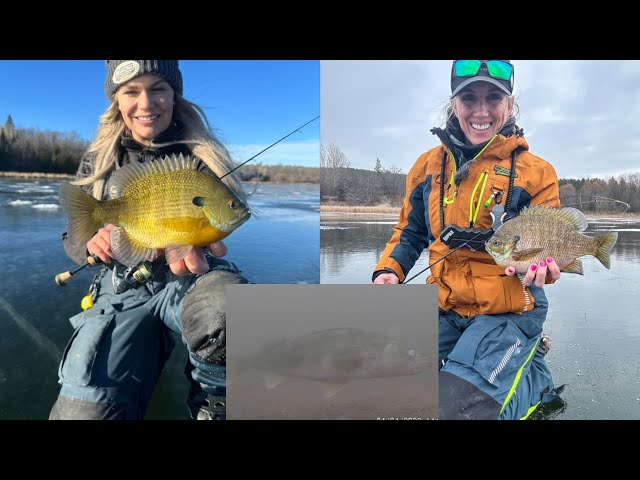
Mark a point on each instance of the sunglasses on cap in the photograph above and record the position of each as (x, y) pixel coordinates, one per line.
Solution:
(497, 68)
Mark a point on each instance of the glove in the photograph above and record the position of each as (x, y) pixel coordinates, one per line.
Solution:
(204, 314)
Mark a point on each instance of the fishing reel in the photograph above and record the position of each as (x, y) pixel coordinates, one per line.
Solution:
(455, 236)
(132, 277)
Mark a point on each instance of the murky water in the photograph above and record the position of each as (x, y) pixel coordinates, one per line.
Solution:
(593, 320)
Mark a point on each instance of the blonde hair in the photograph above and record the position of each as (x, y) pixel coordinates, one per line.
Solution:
(197, 134)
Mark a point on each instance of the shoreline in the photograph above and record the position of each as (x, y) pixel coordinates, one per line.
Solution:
(36, 175)
(384, 212)
(67, 176)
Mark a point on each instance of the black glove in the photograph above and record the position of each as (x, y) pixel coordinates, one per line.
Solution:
(204, 315)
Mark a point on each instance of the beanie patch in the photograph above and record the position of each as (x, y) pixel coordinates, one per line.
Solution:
(125, 71)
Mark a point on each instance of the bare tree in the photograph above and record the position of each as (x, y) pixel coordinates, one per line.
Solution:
(333, 164)
(567, 195)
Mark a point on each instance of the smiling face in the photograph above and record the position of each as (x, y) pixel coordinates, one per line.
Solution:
(146, 105)
(482, 110)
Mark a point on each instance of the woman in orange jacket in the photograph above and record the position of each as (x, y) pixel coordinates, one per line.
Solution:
(490, 328)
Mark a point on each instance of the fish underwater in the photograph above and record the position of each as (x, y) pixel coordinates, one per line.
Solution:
(540, 232)
(337, 357)
(163, 204)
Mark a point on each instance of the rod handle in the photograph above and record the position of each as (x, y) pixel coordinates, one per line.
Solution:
(63, 278)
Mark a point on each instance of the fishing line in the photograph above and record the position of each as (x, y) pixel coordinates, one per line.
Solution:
(274, 143)
(38, 337)
(442, 258)
(594, 199)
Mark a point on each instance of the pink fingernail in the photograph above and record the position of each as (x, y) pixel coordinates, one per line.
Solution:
(543, 264)
(534, 268)
(549, 260)
(510, 269)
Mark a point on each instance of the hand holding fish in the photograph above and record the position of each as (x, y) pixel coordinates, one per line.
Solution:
(166, 206)
(194, 262)
(537, 273)
(527, 242)
(100, 244)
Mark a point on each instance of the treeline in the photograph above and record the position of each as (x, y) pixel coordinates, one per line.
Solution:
(279, 173)
(341, 184)
(30, 150)
(33, 151)
(598, 195)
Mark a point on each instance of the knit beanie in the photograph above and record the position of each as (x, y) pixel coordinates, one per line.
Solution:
(121, 71)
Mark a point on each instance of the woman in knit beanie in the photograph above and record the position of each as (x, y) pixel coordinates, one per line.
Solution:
(113, 361)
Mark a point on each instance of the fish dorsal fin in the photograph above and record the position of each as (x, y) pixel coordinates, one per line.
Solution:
(127, 251)
(568, 215)
(136, 171)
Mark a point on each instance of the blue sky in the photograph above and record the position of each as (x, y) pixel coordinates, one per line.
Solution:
(250, 103)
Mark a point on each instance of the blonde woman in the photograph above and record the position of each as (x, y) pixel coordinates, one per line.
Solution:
(120, 345)
(491, 345)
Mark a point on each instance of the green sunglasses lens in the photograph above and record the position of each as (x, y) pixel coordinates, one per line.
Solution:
(467, 68)
(499, 69)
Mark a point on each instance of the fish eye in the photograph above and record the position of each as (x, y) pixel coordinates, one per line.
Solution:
(232, 204)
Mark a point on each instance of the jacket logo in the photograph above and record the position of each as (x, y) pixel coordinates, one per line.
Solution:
(506, 172)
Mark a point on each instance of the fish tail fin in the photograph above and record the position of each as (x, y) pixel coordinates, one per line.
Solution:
(80, 208)
(603, 247)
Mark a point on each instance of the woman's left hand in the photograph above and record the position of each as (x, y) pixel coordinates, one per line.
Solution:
(537, 274)
(195, 262)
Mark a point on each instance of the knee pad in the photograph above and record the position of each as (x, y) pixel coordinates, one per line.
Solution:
(461, 400)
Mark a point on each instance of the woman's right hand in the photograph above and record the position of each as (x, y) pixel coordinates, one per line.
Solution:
(387, 279)
(100, 244)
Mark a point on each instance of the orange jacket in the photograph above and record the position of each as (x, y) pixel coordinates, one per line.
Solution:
(469, 282)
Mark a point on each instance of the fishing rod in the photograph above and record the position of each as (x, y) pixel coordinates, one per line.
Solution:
(586, 199)
(275, 143)
(63, 278)
(444, 256)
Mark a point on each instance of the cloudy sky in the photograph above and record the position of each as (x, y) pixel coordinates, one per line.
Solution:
(582, 116)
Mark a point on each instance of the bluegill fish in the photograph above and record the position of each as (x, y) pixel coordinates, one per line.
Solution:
(339, 356)
(164, 204)
(540, 232)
